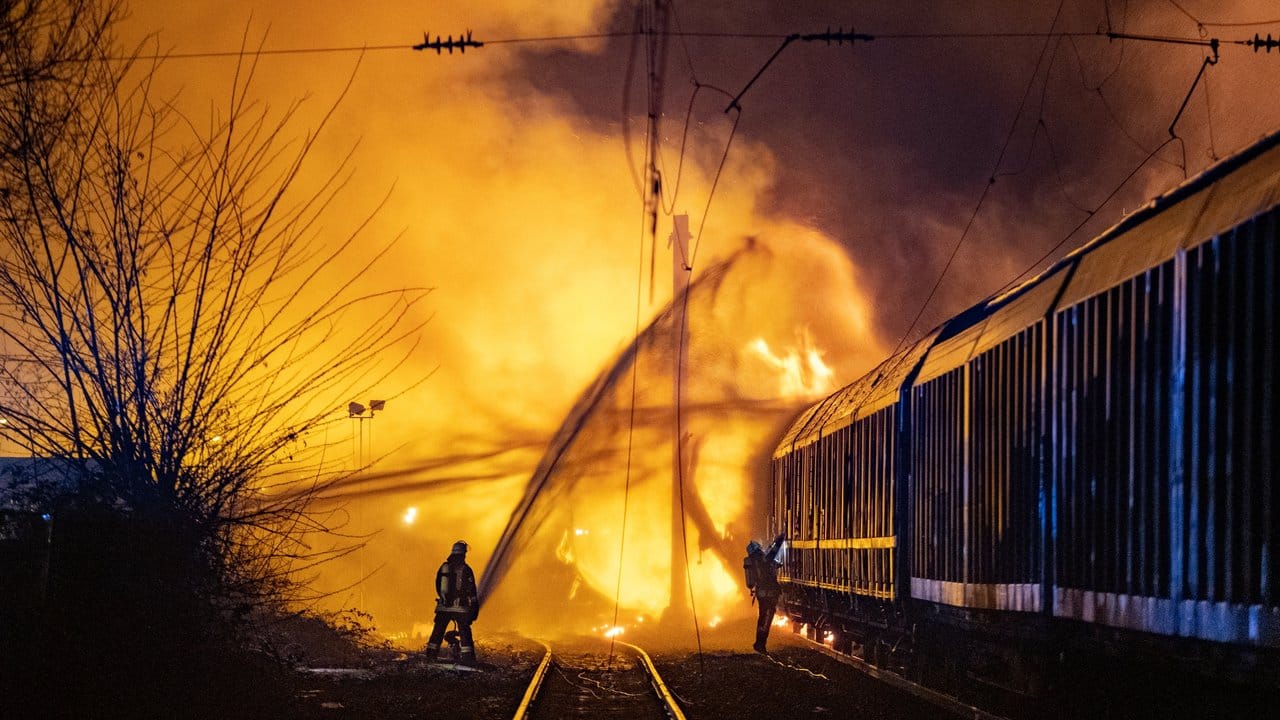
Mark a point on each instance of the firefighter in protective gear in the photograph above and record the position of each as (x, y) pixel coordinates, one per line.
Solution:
(456, 602)
(761, 569)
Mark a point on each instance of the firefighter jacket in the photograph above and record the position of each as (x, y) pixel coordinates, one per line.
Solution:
(456, 589)
(761, 570)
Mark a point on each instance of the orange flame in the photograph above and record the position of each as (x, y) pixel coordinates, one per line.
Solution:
(801, 371)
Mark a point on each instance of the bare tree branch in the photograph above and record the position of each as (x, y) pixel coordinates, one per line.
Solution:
(163, 323)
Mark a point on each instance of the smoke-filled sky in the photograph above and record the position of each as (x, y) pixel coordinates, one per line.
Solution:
(510, 178)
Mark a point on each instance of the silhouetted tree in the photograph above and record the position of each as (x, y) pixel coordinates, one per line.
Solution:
(174, 323)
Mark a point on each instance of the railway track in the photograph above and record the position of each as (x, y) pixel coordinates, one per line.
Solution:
(582, 680)
(941, 699)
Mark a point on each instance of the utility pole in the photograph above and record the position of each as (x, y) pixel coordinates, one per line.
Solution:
(678, 610)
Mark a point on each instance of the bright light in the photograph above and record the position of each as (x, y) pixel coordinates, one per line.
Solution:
(781, 621)
(715, 621)
(410, 515)
(830, 637)
(580, 532)
(614, 631)
(215, 439)
(801, 372)
(4, 421)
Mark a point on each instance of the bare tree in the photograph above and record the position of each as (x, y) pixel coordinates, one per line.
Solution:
(174, 323)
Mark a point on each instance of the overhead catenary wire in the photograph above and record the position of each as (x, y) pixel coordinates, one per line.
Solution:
(652, 203)
(678, 438)
(991, 179)
(1097, 89)
(682, 332)
(986, 188)
(631, 410)
(1203, 24)
(1213, 44)
(1091, 213)
(1254, 42)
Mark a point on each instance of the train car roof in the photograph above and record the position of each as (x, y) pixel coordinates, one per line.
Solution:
(874, 391)
(1223, 196)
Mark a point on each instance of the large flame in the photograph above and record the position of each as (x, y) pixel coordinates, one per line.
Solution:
(522, 215)
(801, 371)
(649, 535)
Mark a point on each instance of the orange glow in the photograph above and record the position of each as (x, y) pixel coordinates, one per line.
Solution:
(519, 207)
(781, 621)
(801, 371)
(524, 224)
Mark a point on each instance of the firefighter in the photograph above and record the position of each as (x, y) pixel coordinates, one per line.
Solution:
(456, 602)
(761, 569)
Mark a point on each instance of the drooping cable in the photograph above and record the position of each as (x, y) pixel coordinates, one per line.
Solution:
(1115, 191)
(631, 413)
(1208, 118)
(986, 187)
(682, 332)
(678, 440)
(1201, 24)
(626, 106)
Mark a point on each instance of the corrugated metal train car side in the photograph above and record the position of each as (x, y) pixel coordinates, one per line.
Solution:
(1089, 455)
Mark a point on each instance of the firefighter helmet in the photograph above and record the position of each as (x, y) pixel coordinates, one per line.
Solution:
(459, 548)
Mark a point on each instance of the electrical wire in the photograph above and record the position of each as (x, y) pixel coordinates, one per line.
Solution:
(1040, 105)
(678, 440)
(1193, 18)
(669, 208)
(626, 106)
(684, 135)
(1100, 86)
(1057, 169)
(215, 54)
(682, 332)
(551, 39)
(631, 414)
(1115, 191)
(986, 188)
(1208, 117)
(1202, 24)
(797, 668)
(715, 183)
(684, 42)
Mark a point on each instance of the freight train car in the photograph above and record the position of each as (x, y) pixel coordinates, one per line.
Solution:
(1087, 461)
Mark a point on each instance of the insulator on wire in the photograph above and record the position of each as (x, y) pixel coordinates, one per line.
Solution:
(1269, 43)
(839, 36)
(462, 43)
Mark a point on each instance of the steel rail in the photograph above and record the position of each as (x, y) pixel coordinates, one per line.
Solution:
(668, 702)
(535, 684)
(941, 699)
